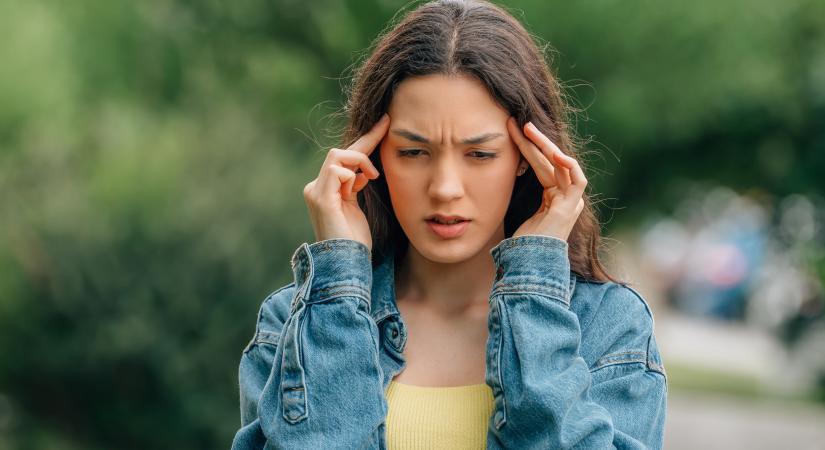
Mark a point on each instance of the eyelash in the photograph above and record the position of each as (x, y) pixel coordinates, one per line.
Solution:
(482, 155)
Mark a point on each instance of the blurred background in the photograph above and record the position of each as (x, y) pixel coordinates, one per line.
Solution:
(153, 154)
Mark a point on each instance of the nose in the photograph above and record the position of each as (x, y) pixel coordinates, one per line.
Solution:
(447, 182)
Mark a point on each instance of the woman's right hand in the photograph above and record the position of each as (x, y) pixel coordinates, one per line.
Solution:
(331, 197)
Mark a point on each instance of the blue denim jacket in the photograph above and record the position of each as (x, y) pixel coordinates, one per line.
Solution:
(571, 363)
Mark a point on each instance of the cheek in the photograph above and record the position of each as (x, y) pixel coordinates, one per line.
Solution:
(493, 190)
(401, 185)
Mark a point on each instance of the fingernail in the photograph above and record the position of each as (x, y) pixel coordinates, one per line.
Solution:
(384, 117)
(530, 124)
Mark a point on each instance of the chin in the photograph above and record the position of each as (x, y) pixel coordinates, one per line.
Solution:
(445, 254)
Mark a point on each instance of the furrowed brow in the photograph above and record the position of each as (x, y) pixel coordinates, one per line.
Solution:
(475, 140)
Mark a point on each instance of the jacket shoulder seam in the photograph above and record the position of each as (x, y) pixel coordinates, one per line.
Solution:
(642, 354)
(263, 336)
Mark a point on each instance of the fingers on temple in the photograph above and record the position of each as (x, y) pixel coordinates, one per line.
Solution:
(368, 141)
(569, 172)
(543, 168)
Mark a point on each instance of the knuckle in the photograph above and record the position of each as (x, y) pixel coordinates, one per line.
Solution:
(308, 188)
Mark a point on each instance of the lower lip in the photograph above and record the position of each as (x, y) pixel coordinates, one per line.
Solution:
(448, 231)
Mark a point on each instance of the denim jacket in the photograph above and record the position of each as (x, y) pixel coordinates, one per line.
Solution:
(571, 363)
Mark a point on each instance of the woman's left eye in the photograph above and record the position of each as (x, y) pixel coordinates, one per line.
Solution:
(483, 155)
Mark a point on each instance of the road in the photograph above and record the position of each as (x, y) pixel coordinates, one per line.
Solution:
(711, 422)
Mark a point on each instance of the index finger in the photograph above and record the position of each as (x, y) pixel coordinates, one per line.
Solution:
(369, 140)
(543, 168)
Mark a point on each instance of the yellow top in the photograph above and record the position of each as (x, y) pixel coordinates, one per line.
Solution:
(421, 417)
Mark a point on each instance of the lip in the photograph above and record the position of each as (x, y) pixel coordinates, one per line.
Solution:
(448, 231)
(444, 218)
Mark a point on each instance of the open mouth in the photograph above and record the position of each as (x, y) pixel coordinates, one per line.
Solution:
(446, 222)
(448, 229)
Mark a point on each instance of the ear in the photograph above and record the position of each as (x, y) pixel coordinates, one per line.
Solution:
(522, 167)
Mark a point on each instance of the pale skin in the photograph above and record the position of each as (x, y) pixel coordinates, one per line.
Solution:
(443, 285)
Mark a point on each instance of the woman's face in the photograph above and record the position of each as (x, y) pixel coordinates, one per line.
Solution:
(448, 152)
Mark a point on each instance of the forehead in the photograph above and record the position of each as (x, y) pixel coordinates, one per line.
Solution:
(437, 104)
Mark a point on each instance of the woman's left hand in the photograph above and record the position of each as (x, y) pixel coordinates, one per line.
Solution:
(562, 178)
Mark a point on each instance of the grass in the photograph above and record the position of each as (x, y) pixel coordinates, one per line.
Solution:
(685, 378)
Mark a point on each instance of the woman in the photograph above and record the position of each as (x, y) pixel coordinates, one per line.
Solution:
(453, 297)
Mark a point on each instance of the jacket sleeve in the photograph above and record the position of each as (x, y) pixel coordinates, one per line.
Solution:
(546, 395)
(313, 379)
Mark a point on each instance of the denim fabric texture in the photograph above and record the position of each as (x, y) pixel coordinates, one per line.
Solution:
(571, 363)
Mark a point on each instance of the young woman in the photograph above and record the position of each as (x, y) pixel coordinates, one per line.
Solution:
(453, 297)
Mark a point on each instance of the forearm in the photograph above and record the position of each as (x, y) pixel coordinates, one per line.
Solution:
(541, 383)
(325, 387)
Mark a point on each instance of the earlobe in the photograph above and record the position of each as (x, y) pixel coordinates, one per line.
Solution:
(521, 169)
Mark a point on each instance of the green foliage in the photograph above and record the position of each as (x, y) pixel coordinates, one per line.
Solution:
(152, 156)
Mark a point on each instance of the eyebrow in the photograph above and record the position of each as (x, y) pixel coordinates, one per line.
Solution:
(475, 140)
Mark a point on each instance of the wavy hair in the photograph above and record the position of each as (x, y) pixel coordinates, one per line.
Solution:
(480, 39)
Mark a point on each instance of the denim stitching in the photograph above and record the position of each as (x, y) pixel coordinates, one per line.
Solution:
(652, 364)
(302, 383)
(555, 296)
(258, 337)
(527, 240)
(629, 361)
(616, 358)
(551, 284)
(342, 290)
(255, 337)
(503, 420)
(268, 337)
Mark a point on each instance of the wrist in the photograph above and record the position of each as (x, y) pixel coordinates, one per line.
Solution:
(534, 263)
(332, 268)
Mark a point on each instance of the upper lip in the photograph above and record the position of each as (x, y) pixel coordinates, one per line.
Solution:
(445, 218)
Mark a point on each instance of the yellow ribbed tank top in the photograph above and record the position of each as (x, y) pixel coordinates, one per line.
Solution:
(421, 417)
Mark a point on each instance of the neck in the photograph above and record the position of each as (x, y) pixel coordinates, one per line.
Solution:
(448, 289)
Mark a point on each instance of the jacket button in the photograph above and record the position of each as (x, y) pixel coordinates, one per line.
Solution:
(395, 333)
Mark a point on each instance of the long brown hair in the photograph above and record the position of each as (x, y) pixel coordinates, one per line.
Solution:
(480, 39)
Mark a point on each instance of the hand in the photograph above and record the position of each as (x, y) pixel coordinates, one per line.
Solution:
(562, 178)
(331, 197)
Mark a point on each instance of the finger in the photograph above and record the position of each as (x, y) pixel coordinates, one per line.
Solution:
(352, 159)
(346, 188)
(562, 171)
(576, 173)
(549, 149)
(541, 166)
(335, 179)
(361, 181)
(368, 141)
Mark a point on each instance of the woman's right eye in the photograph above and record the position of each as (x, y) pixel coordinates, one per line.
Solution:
(410, 153)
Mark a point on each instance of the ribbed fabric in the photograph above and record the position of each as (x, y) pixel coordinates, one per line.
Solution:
(454, 418)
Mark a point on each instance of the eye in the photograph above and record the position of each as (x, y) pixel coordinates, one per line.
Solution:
(412, 153)
(483, 155)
